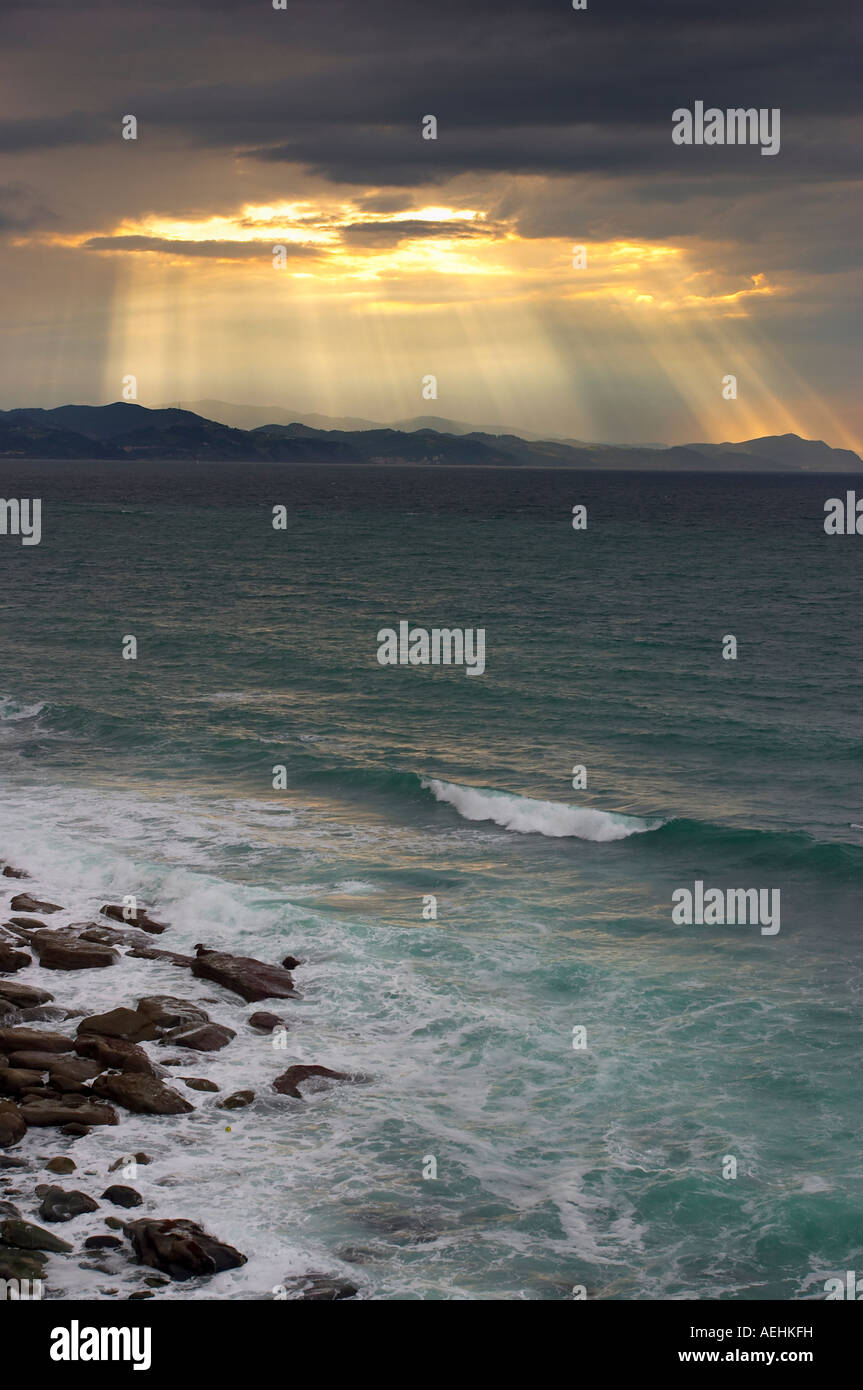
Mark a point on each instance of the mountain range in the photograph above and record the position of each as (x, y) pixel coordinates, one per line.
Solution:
(128, 431)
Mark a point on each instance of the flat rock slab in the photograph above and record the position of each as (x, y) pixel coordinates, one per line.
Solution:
(128, 1024)
(115, 1052)
(182, 1249)
(23, 902)
(67, 1110)
(288, 1083)
(251, 979)
(138, 918)
(151, 953)
(32, 1040)
(23, 996)
(57, 1205)
(143, 1095)
(63, 951)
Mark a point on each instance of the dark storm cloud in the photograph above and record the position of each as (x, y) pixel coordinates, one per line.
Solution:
(533, 87)
(383, 234)
(222, 250)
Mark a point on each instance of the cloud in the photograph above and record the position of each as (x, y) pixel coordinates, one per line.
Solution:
(219, 250)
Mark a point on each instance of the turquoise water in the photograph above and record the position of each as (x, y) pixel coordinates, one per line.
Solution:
(556, 1167)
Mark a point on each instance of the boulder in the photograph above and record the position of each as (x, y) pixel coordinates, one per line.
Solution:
(181, 1249)
(137, 919)
(13, 1126)
(7, 1010)
(59, 950)
(12, 960)
(142, 1159)
(15, 1080)
(9, 872)
(265, 1023)
(165, 1011)
(251, 979)
(23, 996)
(291, 962)
(116, 1052)
(33, 1040)
(238, 1100)
(318, 1288)
(143, 1095)
(25, 1236)
(61, 1165)
(128, 1024)
(28, 924)
(67, 1110)
(23, 902)
(122, 1196)
(211, 1037)
(21, 1264)
(75, 1131)
(288, 1083)
(70, 1076)
(57, 1205)
(103, 1243)
(112, 936)
(199, 1083)
(37, 1061)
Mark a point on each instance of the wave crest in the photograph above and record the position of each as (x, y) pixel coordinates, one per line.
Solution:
(530, 817)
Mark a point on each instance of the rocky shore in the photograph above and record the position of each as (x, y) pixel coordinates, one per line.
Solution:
(66, 1074)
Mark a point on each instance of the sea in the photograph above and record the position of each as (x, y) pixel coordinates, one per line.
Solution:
(559, 1092)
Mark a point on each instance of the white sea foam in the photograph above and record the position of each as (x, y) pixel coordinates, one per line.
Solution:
(527, 816)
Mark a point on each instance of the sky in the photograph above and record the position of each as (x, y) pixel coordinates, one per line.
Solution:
(453, 258)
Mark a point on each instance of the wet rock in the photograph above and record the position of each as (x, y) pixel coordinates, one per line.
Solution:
(291, 962)
(7, 1163)
(137, 919)
(75, 1131)
(12, 960)
(210, 1037)
(116, 1052)
(237, 1101)
(70, 1075)
(21, 1264)
(32, 1040)
(127, 1024)
(155, 1281)
(23, 996)
(122, 1196)
(103, 1243)
(143, 1159)
(165, 1012)
(199, 1083)
(8, 1010)
(14, 1080)
(141, 1294)
(150, 953)
(319, 1288)
(251, 979)
(66, 1110)
(59, 950)
(265, 1023)
(9, 1209)
(25, 1236)
(37, 1061)
(57, 1205)
(288, 1083)
(44, 1013)
(30, 924)
(115, 1223)
(61, 1165)
(23, 902)
(9, 872)
(143, 1095)
(13, 1126)
(181, 1249)
(113, 936)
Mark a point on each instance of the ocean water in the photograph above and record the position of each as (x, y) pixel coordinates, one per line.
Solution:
(557, 1167)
